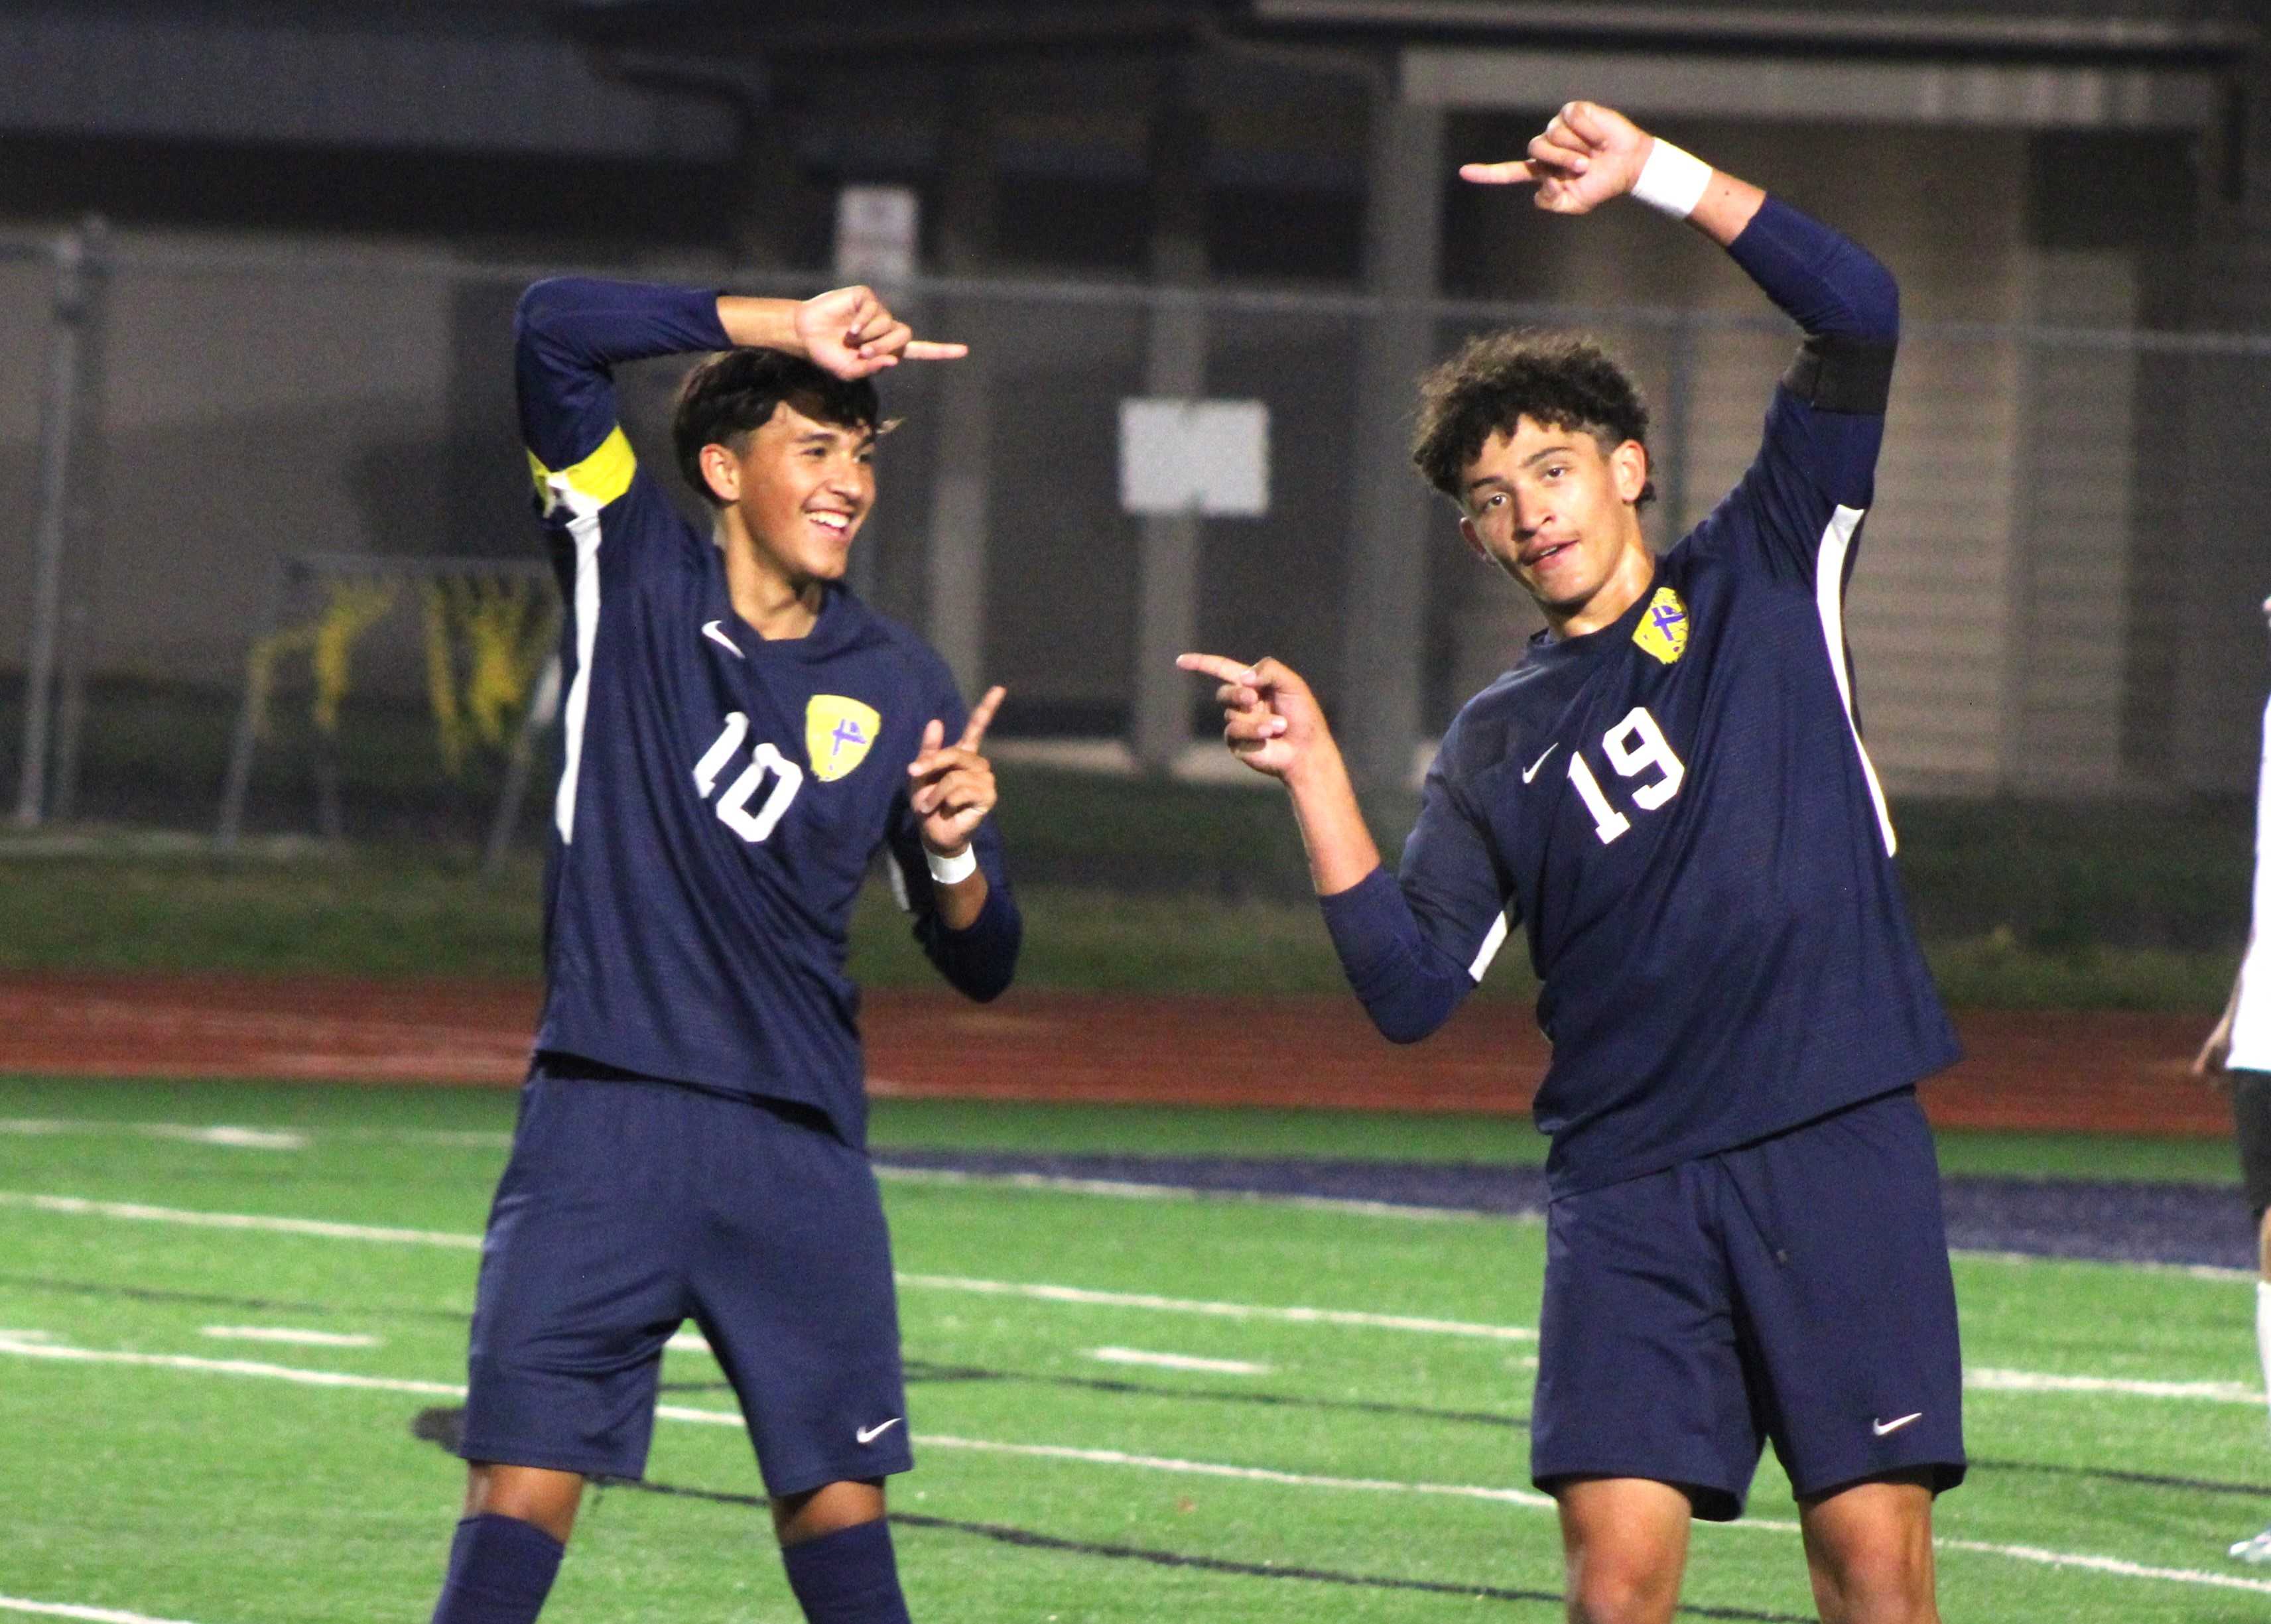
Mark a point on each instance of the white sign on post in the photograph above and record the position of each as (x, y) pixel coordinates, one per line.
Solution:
(877, 232)
(1210, 457)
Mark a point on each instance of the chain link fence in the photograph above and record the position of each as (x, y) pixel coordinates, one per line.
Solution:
(2056, 597)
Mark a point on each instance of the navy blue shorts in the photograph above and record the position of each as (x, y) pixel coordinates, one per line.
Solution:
(630, 1206)
(2251, 1118)
(1796, 1289)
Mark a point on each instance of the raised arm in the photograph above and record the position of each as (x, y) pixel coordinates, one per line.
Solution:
(571, 332)
(1590, 154)
(1798, 510)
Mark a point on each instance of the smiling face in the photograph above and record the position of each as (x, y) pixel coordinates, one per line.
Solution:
(1558, 511)
(796, 494)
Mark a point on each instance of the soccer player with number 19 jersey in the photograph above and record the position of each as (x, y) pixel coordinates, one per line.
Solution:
(742, 737)
(1669, 791)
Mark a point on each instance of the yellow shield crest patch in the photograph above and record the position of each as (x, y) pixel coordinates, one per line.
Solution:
(1662, 629)
(837, 734)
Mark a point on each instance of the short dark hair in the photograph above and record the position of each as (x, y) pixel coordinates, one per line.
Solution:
(734, 393)
(1499, 378)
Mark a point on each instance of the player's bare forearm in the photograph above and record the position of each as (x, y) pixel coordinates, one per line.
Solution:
(1728, 205)
(760, 324)
(2215, 1053)
(959, 905)
(1272, 723)
(1589, 154)
(1340, 846)
(845, 331)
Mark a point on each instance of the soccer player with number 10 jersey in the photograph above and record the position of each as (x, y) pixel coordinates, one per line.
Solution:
(741, 736)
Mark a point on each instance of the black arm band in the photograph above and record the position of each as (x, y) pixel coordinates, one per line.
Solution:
(1834, 373)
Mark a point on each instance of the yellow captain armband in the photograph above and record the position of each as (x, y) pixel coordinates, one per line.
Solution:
(602, 476)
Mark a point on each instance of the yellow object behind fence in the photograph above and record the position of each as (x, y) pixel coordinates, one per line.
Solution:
(504, 626)
(350, 608)
(496, 630)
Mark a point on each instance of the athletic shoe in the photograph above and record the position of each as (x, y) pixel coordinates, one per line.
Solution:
(2256, 1548)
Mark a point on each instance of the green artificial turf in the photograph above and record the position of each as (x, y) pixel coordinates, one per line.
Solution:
(1366, 1465)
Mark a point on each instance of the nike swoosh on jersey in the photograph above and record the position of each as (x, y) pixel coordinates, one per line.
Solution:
(1534, 766)
(1881, 1427)
(710, 630)
(868, 1435)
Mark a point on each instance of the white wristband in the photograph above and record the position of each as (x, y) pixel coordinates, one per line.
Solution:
(952, 870)
(1672, 180)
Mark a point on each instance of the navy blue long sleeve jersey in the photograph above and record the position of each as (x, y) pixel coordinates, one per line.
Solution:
(721, 795)
(1679, 806)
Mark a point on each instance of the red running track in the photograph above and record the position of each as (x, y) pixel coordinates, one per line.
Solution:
(2106, 1072)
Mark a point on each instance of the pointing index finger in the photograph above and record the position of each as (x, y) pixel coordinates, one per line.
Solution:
(1217, 665)
(982, 718)
(1511, 174)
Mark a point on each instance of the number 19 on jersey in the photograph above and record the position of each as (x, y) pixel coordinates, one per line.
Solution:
(1634, 745)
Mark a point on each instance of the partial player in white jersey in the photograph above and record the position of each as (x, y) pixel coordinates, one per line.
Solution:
(2239, 1049)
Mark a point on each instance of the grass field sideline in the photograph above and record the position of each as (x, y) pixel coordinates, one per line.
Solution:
(1062, 1128)
(109, 902)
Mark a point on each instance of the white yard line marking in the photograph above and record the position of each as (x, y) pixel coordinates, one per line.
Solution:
(1125, 1190)
(1982, 1378)
(1250, 1474)
(69, 1610)
(2118, 1567)
(1128, 1189)
(258, 1138)
(25, 1348)
(236, 1138)
(2086, 1561)
(1991, 1380)
(285, 1334)
(134, 1211)
(218, 1132)
(687, 1342)
(2037, 1260)
(1179, 1361)
(77, 1206)
(1224, 1310)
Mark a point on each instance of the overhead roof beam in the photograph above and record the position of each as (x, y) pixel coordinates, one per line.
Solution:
(1792, 28)
(1648, 85)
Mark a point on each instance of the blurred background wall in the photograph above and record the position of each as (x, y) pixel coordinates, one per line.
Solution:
(257, 262)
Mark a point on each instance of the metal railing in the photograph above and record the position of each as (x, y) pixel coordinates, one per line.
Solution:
(2056, 594)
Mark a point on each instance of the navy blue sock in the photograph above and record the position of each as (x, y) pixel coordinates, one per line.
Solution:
(847, 1577)
(500, 1569)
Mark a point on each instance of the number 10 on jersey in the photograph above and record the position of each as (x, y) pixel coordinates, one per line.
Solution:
(732, 807)
(1635, 745)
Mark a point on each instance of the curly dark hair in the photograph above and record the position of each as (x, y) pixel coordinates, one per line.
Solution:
(1499, 378)
(732, 394)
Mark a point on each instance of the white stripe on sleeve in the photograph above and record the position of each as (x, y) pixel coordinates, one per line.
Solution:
(1829, 601)
(1489, 949)
(584, 531)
